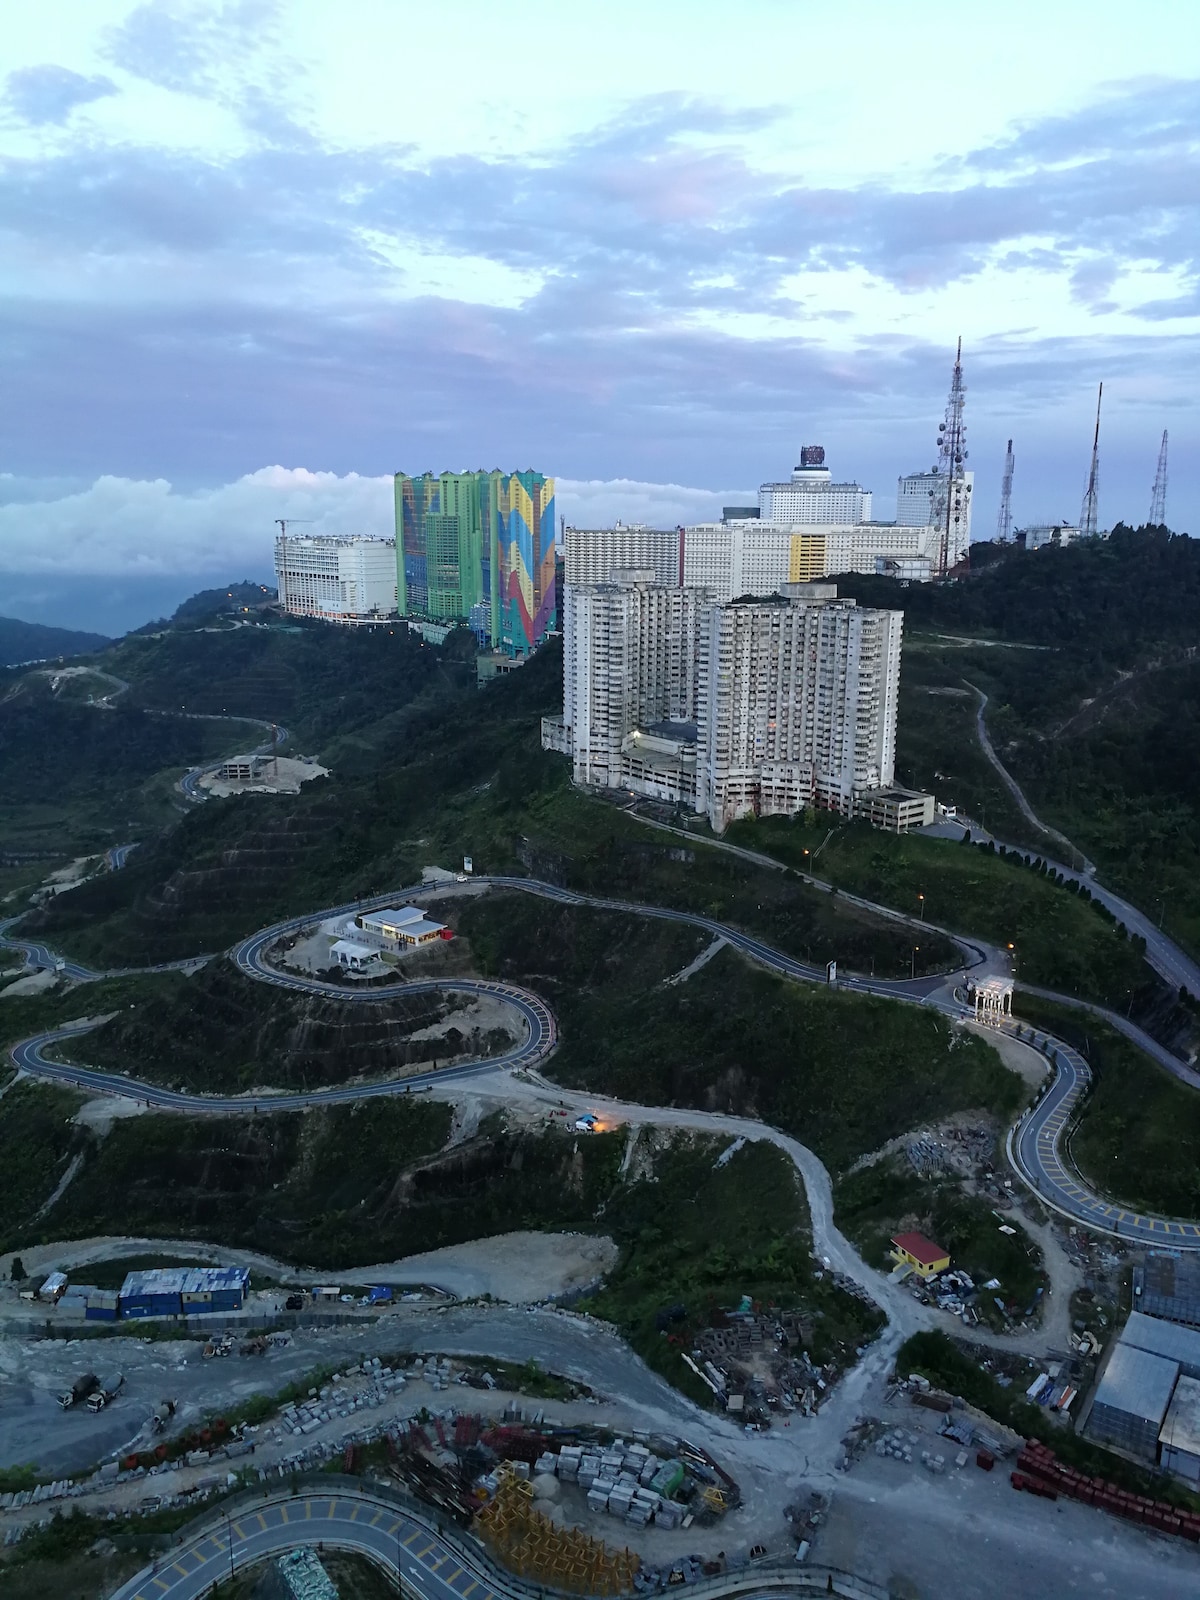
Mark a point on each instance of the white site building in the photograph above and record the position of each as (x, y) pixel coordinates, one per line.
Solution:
(921, 501)
(339, 578)
(1040, 534)
(749, 706)
(592, 555)
(810, 528)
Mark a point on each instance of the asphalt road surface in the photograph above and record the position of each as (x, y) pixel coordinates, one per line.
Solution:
(1035, 1145)
(344, 1520)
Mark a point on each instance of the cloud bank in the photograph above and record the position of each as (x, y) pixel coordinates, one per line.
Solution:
(142, 529)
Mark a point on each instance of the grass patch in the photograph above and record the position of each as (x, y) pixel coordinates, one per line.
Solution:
(842, 1072)
(1062, 941)
(1138, 1139)
(873, 1204)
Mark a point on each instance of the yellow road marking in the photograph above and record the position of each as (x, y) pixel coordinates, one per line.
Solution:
(415, 1534)
(394, 1527)
(307, 1510)
(354, 1513)
(283, 1511)
(375, 1518)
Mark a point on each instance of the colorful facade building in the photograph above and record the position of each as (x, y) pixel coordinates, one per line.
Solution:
(479, 547)
(925, 1257)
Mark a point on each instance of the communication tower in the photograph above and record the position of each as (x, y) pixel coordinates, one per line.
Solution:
(1089, 516)
(951, 491)
(1158, 495)
(1004, 520)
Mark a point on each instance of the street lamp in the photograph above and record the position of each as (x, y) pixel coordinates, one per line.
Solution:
(921, 898)
(913, 969)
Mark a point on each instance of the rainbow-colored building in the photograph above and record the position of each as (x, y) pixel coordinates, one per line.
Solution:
(478, 547)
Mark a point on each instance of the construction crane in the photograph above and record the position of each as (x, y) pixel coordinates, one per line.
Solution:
(1089, 516)
(1004, 520)
(1158, 495)
(951, 491)
(284, 523)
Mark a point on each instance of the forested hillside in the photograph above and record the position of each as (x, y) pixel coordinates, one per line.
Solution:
(31, 641)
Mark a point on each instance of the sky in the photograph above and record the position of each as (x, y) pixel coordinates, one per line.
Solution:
(257, 255)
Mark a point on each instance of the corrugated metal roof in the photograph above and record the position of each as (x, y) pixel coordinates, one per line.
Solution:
(1138, 1383)
(184, 1280)
(1181, 1429)
(1168, 1339)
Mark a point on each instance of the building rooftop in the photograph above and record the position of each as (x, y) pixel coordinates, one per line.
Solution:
(1169, 1285)
(920, 1248)
(184, 1280)
(396, 916)
(350, 948)
(1169, 1339)
(1138, 1384)
(1181, 1425)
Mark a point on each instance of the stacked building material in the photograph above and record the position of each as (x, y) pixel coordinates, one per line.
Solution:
(1041, 1472)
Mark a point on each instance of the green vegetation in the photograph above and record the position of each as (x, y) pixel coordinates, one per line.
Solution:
(700, 1236)
(1138, 1138)
(451, 782)
(842, 1072)
(37, 1141)
(1099, 724)
(1061, 940)
(221, 1031)
(32, 641)
(940, 1360)
(322, 1188)
(79, 778)
(876, 1202)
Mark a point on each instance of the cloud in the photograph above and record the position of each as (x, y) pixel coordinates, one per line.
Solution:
(49, 94)
(146, 529)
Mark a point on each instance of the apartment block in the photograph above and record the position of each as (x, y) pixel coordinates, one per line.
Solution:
(751, 707)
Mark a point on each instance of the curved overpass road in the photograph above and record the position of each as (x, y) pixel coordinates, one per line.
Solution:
(434, 1565)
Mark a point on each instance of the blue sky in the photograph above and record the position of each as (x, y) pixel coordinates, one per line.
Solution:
(258, 254)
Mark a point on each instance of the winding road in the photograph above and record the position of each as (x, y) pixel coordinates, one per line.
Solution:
(394, 1535)
(1034, 1146)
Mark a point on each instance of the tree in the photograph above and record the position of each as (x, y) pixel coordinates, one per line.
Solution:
(18, 1270)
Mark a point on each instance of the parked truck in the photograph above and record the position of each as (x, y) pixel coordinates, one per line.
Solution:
(105, 1391)
(79, 1391)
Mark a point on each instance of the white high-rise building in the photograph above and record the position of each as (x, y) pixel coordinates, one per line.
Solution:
(800, 705)
(752, 707)
(592, 555)
(921, 500)
(339, 578)
(631, 661)
(811, 496)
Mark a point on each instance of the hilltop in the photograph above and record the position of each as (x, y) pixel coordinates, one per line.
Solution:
(32, 641)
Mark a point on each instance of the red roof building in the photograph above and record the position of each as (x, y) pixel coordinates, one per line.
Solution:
(921, 1254)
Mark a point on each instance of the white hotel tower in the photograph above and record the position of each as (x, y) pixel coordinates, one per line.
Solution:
(339, 578)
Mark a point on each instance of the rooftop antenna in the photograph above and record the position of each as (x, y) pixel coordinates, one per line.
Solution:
(1158, 495)
(1004, 520)
(950, 495)
(1089, 516)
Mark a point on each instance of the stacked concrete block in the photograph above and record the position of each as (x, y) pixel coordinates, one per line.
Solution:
(597, 1500)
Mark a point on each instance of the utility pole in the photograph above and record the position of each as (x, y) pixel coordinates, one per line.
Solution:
(1089, 516)
(1158, 495)
(1004, 520)
(950, 492)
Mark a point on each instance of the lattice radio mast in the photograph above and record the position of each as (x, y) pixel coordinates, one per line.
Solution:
(1158, 495)
(1089, 516)
(1004, 520)
(951, 492)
